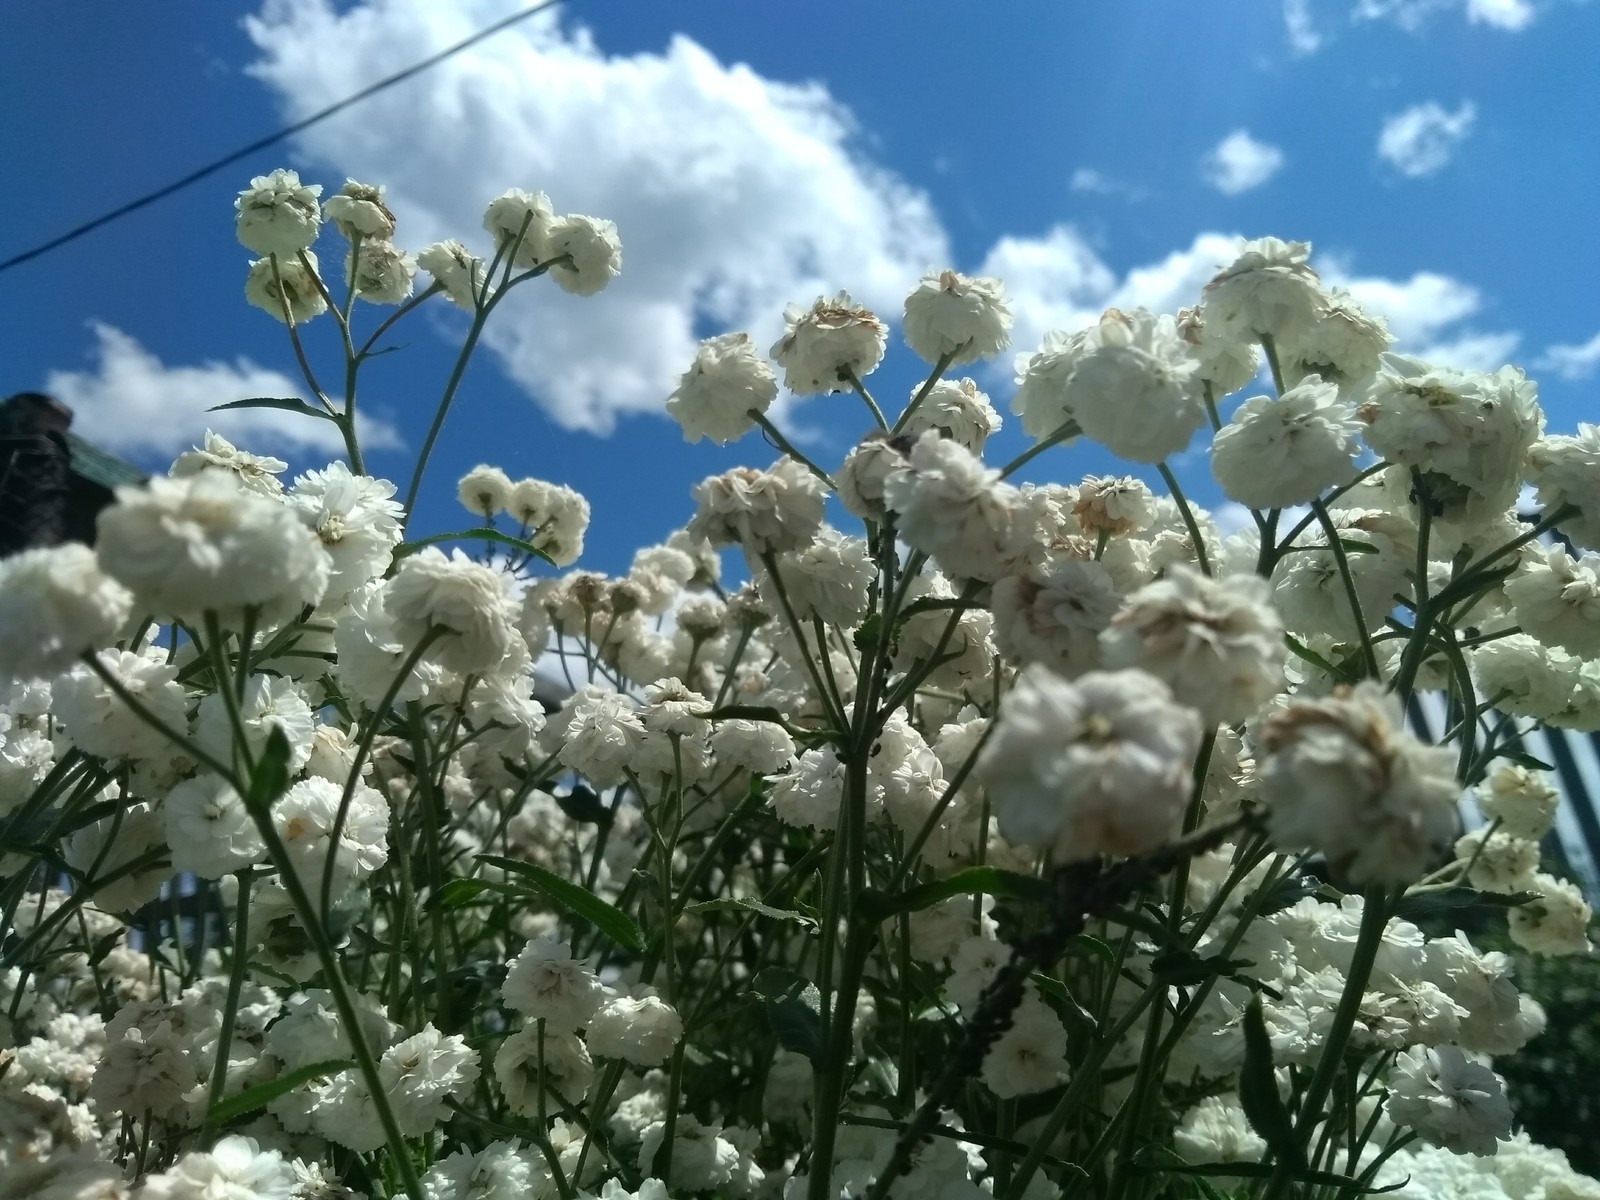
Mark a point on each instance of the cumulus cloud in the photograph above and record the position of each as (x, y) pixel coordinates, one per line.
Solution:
(733, 194)
(1421, 140)
(1575, 361)
(131, 402)
(1508, 15)
(1239, 162)
(1427, 314)
(1300, 27)
(1089, 181)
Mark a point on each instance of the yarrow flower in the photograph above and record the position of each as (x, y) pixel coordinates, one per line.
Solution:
(521, 219)
(288, 289)
(957, 410)
(1342, 776)
(823, 343)
(456, 269)
(1134, 387)
(725, 383)
(1278, 453)
(1095, 765)
(357, 210)
(55, 605)
(1268, 290)
(254, 472)
(1566, 471)
(963, 317)
(956, 510)
(764, 512)
(547, 984)
(278, 214)
(467, 600)
(592, 251)
(1449, 1099)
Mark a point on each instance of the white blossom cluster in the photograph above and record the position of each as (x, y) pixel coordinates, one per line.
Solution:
(338, 861)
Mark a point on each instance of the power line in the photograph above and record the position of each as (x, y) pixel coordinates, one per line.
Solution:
(287, 131)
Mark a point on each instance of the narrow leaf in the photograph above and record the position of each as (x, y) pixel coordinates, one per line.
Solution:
(270, 779)
(286, 403)
(262, 1094)
(990, 881)
(607, 918)
(1258, 1090)
(730, 904)
(1456, 899)
(793, 1006)
(482, 534)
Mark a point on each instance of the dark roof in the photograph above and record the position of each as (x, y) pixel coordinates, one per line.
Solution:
(95, 465)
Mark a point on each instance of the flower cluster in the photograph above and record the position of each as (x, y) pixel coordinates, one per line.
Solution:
(1024, 836)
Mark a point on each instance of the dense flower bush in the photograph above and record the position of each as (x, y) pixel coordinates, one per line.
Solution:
(1020, 840)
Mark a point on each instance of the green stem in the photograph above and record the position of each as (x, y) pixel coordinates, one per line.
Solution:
(230, 1010)
(1189, 521)
(1066, 431)
(786, 446)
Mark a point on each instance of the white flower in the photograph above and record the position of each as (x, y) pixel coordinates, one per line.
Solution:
(1113, 505)
(641, 1029)
(305, 817)
(1134, 387)
(1498, 862)
(822, 343)
(547, 984)
(1557, 923)
(209, 829)
(277, 214)
(962, 316)
(1521, 799)
(1268, 290)
(1217, 643)
(1566, 470)
(568, 1069)
(959, 411)
(1226, 363)
(1467, 431)
(1341, 775)
(98, 721)
(255, 472)
(468, 600)
(354, 518)
(593, 248)
(760, 747)
(1042, 378)
(1523, 676)
(500, 1171)
(597, 733)
(55, 605)
(1556, 598)
(380, 272)
(1449, 1099)
(235, 1168)
(523, 219)
(370, 653)
(715, 396)
(1031, 1055)
(1308, 587)
(1053, 614)
(809, 793)
(269, 702)
(1344, 345)
(111, 846)
(1097, 765)
(188, 546)
(828, 579)
(357, 210)
(484, 491)
(455, 269)
(865, 472)
(1216, 1130)
(288, 289)
(421, 1073)
(957, 511)
(1278, 453)
(764, 512)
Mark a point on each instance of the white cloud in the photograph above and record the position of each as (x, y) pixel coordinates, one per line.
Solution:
(1425, 313)
(1573, 362)
(1421, 140)
(1302, 31)
(1510, 15)
(1098, 183)
(733, 194)
(131, 402)
(1238, 163)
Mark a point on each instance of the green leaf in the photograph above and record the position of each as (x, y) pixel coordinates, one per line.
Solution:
(576, 899)
(262, 1094)
(1154, 1159)
(1300, 650)
(866, 634)
(1357, 547)
(990, 881)
(270, 779)
(794, 1010)
(1064, 1002)
(1456, 899)
(285, 403)
(483, 534)
(583, 806)
(1523, 759)
(1258, 1090)
(1086, 946)
(730, 904)
(1184, 969)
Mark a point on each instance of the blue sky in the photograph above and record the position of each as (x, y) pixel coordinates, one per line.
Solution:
(753, 153)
